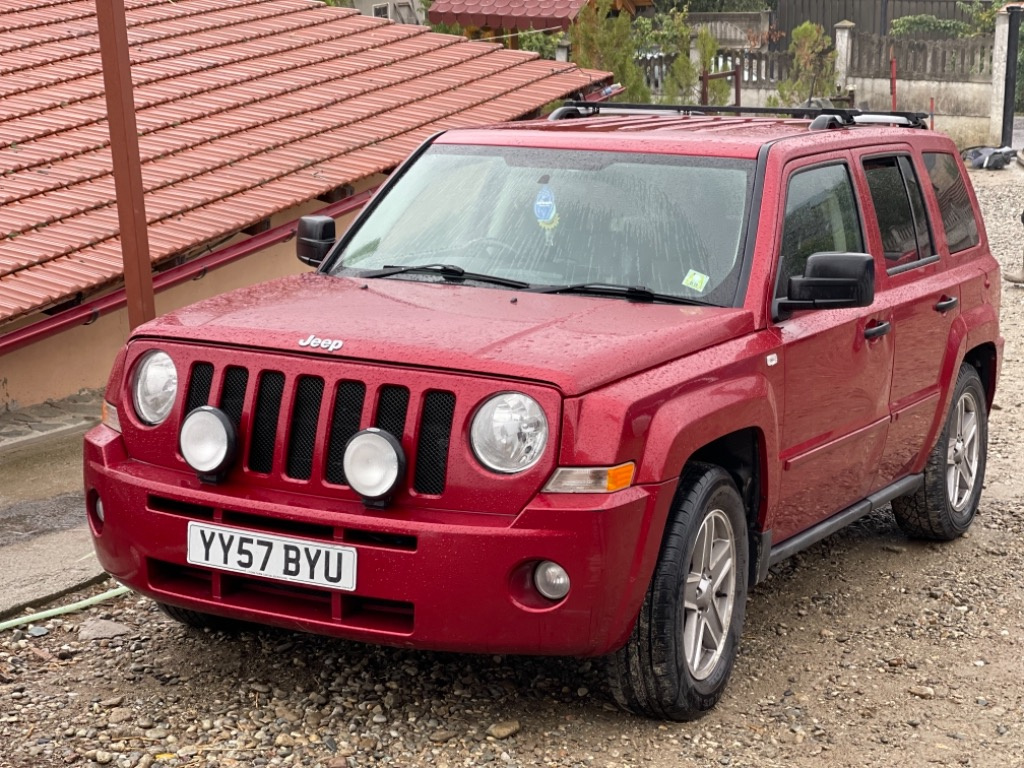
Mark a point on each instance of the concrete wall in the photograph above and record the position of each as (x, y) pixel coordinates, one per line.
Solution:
(81, 357)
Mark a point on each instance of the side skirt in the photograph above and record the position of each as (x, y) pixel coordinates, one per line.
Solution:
(768, 555)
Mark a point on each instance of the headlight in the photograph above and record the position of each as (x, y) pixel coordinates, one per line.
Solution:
(154, 387)
(509, 432)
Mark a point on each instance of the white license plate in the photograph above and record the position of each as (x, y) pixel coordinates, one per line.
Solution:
(273, 557)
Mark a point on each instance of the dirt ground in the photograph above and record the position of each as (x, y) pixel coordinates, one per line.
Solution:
(868, 649)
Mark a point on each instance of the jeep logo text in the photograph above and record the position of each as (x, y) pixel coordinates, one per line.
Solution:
(315, 342)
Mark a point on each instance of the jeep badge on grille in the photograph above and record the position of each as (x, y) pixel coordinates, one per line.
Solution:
(315, 342)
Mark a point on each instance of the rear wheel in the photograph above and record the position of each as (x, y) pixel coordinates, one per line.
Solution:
(677, 661)
(944, 506)
(202, 620)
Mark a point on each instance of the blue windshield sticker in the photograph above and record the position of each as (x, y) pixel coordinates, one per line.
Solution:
(545, 213)
(544, 206)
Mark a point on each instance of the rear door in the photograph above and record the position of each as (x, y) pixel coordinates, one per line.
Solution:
(837, 363)
(926, 298)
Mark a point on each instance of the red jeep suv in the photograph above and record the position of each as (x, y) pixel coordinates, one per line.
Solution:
(568, 387)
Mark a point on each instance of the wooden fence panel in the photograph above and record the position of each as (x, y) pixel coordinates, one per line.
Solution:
(760, 69)
(869, 15)
(967, 60)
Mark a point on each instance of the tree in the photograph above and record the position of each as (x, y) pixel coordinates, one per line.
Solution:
(602, 41)
(543, 43)
(813, 72)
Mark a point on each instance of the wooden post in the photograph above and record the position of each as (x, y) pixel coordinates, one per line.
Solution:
(124, 152)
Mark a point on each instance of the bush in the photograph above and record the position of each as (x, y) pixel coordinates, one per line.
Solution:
(925, 25)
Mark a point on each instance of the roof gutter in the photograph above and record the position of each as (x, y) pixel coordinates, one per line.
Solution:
(88, 312)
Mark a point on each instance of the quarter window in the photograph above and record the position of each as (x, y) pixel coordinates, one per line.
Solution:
(954, 202)
(821, 215)
(899, 208)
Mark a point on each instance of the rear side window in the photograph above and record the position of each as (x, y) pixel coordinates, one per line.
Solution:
(954, 202)
(899, 207)
(821, 215)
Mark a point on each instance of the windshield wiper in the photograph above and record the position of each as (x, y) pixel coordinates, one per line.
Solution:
(630, 292)
(447, 271)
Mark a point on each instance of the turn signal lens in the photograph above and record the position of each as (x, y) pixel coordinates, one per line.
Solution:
(591, 479)
(109, 416)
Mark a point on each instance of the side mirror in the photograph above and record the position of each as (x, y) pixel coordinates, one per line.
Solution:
(832, 281)
(314, 239)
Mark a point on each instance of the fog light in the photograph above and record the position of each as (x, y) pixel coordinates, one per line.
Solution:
(98, 508)
(208, 442)
(374, 464)
(551, 580)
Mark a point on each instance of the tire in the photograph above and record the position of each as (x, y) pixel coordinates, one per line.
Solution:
(202, 620)
(944, 506)
(672, 667)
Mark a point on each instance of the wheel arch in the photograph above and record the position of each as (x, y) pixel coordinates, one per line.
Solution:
(742, 454)
(983, 358)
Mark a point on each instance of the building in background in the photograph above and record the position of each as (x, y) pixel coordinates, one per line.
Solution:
(250, 114)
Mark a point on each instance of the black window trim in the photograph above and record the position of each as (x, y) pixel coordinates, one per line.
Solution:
(924, 260)
(964, 180)
(846, 161)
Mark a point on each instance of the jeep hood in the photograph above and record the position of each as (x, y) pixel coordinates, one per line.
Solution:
(576, 343)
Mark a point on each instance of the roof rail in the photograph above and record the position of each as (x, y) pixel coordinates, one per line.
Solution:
(822, 117)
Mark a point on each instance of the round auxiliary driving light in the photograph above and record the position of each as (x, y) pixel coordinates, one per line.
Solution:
(374, 464)
(208, 441)
(551, 580)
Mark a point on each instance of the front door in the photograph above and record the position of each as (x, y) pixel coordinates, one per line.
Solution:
(837, 363)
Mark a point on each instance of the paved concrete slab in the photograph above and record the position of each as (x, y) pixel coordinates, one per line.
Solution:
(45, 567)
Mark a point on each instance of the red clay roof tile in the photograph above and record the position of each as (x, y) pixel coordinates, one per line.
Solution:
(244, 108)
(506, 14)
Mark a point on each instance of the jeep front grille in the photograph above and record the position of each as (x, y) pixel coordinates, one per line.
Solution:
(275, 403)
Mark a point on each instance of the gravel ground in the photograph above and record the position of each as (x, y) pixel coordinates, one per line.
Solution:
(868, 649)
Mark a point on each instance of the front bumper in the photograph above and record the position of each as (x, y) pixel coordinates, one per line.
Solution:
(429, 579)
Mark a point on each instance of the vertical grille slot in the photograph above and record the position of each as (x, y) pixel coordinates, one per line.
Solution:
(199, 386)
(232, 397)
(434, 440)
(302, 434)
(264, 421)
(348, 412)
(392, 408)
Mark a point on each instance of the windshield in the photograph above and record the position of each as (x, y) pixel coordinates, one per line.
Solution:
(549, 217)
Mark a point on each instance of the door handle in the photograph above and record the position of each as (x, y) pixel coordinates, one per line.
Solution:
(946, 303)
(876, 330)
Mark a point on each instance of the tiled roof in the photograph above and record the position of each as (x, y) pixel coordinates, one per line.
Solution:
(244, 108)
(506, 14)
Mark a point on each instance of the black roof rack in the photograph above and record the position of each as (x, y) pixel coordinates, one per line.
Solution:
(821, 117)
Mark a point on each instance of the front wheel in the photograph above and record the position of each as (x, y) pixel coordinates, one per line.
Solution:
(677, 661)
(944, 506)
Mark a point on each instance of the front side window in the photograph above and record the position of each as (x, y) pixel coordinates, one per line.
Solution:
(552, 217)
(821, 215)
(899, 208)
(954, 201)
